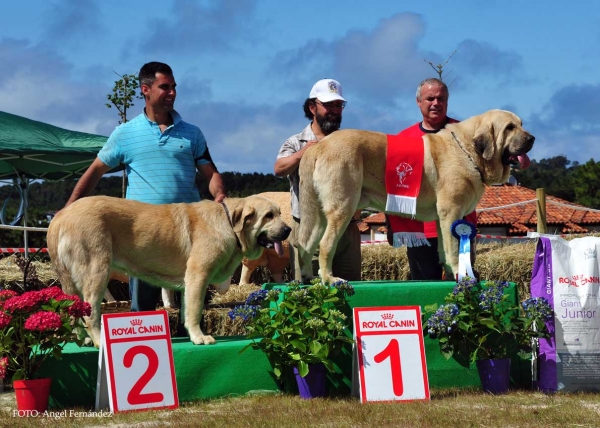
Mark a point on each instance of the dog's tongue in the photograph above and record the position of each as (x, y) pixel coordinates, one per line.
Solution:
(278, 248)
(524, 161)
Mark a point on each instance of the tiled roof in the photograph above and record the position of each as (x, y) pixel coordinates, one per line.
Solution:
(378, 218)
(522, 218)
(363, 227)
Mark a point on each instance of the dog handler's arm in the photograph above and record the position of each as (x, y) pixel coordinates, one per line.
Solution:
(88, 180)
(215, 181)
(286, 165)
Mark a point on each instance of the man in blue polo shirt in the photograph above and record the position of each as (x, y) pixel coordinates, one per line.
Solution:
(161, 153)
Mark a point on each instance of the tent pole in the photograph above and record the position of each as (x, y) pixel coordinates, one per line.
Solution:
(25, 186)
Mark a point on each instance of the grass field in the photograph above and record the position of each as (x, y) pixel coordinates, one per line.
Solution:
(447, 408)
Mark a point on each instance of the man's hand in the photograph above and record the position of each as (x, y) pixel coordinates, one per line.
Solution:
(286, 165)
(215, 182)
(88, 180)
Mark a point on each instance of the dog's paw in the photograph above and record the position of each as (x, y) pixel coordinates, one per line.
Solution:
(202, 340)
(328, 280)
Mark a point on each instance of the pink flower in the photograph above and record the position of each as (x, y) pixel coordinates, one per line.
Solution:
(51, 293)
(79, 308)
(5, 320)
(63, 296)
(3, 366)
(43, 321)
(6, 294)
(26, 302)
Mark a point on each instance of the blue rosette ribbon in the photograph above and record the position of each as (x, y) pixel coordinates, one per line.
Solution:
(464, 232)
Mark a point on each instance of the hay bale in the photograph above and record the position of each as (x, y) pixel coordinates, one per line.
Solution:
(384, 262)
(11, 273)
(284, 200)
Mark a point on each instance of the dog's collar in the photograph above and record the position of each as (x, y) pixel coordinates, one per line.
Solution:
(231, 224)
(469, 156)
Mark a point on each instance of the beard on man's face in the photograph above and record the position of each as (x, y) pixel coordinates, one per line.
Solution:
(329, 122)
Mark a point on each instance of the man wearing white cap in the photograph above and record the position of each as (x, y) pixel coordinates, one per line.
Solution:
(323, 108)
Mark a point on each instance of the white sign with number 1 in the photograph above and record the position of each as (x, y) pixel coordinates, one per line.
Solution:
(391, 354)
(135, 365)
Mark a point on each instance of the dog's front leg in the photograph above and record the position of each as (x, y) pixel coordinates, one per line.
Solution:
(447, 247)
(195, 290)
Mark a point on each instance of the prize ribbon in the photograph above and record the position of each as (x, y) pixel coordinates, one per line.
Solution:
(464, 232)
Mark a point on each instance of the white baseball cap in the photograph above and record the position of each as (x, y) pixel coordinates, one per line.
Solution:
(327, 90)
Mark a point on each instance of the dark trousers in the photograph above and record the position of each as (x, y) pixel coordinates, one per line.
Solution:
(144, 297)
(424, 262)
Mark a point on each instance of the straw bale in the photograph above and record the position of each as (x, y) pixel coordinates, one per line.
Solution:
(283, 199)
(10, 271)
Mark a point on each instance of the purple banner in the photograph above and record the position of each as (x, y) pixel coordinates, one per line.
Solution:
(542, 286)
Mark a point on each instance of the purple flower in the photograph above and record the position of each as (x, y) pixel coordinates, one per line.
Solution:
(245, 312)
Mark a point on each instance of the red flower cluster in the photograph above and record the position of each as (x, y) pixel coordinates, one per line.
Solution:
(5, 320)
(26, 302)
(43, 321)
(6, 294)
(79, 309)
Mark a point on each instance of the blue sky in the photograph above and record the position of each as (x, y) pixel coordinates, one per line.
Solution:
(244, 67)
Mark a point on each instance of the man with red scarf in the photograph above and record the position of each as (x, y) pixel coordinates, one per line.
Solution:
(424, 260)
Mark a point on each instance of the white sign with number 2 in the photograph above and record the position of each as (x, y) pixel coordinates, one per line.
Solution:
(135, 367)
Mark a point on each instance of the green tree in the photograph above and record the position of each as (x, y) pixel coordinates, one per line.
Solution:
(586, 183)
(553, 174)
(123, 94)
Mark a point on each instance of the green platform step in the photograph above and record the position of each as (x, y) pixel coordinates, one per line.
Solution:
(219, 370)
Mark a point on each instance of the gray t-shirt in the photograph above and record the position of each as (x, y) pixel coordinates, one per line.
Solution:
(292, 145)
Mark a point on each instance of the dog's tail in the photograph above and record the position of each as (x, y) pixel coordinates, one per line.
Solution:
(62, 271)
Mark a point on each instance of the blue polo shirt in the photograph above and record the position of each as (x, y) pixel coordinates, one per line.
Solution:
(161, 167)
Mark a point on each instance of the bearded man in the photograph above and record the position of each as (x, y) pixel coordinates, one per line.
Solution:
(323, 108)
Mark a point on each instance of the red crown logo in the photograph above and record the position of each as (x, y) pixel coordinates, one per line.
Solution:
(387, 316)
(136, 322)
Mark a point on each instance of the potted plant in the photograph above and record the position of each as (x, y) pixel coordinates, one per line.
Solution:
(478, 324)
(33, 326)
(302, 328)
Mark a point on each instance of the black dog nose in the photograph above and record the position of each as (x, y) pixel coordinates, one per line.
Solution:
(286, 232)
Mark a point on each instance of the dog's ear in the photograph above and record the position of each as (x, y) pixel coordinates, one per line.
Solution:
(242, 216)
(484, 140)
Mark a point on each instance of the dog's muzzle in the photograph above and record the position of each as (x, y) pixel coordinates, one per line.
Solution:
(275, 241)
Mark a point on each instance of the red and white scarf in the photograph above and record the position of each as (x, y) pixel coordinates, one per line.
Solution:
(403, 172)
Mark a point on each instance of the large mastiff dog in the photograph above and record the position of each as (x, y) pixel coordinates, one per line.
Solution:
(346, 172)
(184, 247)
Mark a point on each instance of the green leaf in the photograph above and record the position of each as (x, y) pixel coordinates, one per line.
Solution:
(302, 368)
(315, 347)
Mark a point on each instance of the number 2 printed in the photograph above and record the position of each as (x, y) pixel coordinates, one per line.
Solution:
(135, 396)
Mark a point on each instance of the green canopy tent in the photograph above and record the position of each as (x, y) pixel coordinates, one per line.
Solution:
(31, 150)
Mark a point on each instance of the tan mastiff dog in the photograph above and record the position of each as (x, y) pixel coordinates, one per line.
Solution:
(346, 172)
(185, 247)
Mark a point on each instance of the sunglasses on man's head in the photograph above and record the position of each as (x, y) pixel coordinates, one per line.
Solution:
(332, 104)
